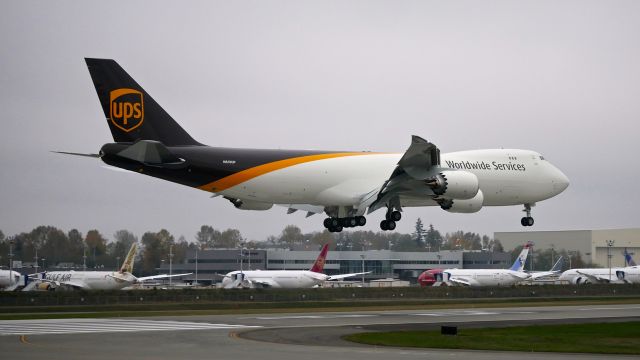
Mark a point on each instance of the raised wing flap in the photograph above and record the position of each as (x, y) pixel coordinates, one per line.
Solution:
(415, 166)
(419, 158)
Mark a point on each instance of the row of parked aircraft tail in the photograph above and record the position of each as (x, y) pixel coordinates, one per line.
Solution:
(314, 277)
(516, 274)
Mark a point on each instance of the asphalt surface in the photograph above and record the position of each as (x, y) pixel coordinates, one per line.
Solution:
(307, 336)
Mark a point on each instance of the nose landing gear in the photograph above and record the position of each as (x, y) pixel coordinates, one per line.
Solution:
(527, 220)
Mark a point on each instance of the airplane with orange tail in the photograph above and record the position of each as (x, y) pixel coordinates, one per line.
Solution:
(284, 279)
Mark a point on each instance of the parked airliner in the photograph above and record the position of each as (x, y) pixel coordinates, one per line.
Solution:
(345, 185)
(8, 278)
(284, 278)
(489, 277)
(615, 275)
(96, 280)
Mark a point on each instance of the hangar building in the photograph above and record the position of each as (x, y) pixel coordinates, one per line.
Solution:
(592, 244)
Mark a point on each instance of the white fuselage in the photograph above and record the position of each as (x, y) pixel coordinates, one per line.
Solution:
(629, 274)
(91, 280)
(573, 275)
(506, 177)
(487, 277)
(288, 279)
(8, 278)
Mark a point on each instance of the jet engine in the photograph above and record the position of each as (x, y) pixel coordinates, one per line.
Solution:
(463, 206)
(454, 184)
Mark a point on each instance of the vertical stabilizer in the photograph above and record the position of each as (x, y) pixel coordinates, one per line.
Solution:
(628, 259)
(318, 266)
(518, 265)
(127, 265)
(131, 112)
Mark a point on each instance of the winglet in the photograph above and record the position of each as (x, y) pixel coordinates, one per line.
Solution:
(318, 266)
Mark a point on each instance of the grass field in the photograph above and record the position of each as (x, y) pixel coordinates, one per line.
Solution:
(606, 338)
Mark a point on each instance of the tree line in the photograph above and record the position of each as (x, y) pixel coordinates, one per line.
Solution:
(54, 246)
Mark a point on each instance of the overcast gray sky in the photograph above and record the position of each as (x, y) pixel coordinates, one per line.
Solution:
(558, 77)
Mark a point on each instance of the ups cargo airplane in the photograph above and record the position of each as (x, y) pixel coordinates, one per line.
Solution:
(345, 185)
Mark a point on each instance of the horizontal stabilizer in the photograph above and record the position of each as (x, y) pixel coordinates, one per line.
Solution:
(77, 154)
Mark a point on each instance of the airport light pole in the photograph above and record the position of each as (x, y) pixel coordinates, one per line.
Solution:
(170, 264)
(84, 257)
(10, 262)
(117, 262)
(36, 259)
(609, 246)
(196, 284)
(362, 256)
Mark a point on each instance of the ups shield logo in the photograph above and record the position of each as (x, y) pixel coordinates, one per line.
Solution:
(126, 109)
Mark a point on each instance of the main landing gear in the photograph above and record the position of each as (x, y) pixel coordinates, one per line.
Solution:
(390, 220)
(337, 224)
(527, 220)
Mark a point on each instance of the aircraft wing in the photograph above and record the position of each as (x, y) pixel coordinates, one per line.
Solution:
(594, 278)
(408, 177)
(543, 274)
(459, 281)
(344, 276)
(269, 283)
(73, 284)
(164, 276)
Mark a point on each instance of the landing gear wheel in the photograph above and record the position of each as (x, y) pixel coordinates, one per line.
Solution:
(387, 225)
(361, 220)
(331, 223)
(335, 229)
(395, 216)
(383, 225)
(391, 225)
(527, 221)
(349, 222)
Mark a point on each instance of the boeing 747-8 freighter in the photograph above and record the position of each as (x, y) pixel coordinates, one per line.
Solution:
(345, 185)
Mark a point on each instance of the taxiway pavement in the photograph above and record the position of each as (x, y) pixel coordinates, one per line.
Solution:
(277, 336)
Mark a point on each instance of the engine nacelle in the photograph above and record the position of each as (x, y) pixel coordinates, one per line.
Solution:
(454, 184)
(580, 280)
(463, 206)
(251, 205)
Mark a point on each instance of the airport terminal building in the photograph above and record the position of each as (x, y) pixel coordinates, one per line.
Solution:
(212, 263)
(592, 244)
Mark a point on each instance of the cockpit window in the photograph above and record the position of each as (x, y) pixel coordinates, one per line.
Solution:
(541, 157)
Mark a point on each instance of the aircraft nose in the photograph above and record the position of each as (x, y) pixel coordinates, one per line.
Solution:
(560, 181)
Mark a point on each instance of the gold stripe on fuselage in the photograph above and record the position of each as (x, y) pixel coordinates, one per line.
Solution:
(248, 174)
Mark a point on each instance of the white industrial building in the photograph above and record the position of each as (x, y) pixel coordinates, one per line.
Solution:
(592, 244)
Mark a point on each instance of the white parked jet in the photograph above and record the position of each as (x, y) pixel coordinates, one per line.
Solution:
(489, 277)
(345, 185)
(9, 278)
(97, 280)
(629, 274)
(617, 275)
(284, 278)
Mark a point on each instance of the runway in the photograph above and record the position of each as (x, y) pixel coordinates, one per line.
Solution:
(275, 336)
